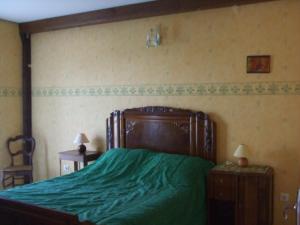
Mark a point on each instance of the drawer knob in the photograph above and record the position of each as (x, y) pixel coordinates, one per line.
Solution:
(221, 181)
(220, 194)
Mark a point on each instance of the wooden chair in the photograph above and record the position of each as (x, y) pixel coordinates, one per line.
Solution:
(16, 171)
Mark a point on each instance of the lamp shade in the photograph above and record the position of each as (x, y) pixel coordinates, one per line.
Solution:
(80, 139)
(241, 152)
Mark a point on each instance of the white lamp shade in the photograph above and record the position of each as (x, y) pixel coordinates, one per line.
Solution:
(80, 139)
(241, 152)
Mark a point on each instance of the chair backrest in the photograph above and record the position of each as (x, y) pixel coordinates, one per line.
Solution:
(29, 142)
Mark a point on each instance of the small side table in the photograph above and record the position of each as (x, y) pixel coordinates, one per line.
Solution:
(74, 155)
(240, 195)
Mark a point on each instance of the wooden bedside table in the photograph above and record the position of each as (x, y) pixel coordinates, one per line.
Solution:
(240, 195)
(74, 155)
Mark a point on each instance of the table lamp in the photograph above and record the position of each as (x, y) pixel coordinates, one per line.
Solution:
(242, 154)
(80, 140)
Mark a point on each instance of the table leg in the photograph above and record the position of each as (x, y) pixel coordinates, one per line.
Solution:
(60, 167)
(75, 166)
(85, 163)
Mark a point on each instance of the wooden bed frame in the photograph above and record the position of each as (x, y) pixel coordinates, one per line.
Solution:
(161, 129)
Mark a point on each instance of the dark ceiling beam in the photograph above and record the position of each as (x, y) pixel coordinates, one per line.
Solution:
(26, 95)
(26, 84)
(142, 10)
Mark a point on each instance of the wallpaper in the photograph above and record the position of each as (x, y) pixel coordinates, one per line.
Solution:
(81, 75)
(10, 86)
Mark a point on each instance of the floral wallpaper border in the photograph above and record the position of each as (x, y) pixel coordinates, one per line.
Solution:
(10, 92)
(199, 89)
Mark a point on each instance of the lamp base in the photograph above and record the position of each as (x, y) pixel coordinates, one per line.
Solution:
(243, 162)
(82, 149)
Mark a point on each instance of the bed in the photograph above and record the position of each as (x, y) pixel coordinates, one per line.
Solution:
(152, 139)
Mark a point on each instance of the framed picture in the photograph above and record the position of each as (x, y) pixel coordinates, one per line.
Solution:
(258, 64)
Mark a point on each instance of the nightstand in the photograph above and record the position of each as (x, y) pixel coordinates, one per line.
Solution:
(240, 195)
(74, 155)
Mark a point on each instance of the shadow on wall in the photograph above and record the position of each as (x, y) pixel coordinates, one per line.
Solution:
(41, 162)
(221, 132)
(98, 143)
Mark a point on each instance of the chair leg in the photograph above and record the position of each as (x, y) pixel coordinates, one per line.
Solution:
(13, 181)
(30, 178)
(3, 180)
(7, 181)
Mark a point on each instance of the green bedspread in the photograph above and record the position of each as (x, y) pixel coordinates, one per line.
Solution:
(127, 187)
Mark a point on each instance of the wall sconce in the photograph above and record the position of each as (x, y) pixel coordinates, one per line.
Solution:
(153, 37)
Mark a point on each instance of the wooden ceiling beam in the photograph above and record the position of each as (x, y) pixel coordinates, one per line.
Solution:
(142, 10)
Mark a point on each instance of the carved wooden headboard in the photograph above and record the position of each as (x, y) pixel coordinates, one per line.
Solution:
(163, 129)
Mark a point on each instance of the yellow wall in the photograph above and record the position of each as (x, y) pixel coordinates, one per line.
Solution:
(80, 75)
(10, 85)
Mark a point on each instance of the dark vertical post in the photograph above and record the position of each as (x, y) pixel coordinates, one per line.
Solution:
(26, 92)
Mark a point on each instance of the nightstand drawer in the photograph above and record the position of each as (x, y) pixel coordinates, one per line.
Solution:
(223, 187)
